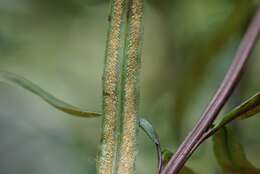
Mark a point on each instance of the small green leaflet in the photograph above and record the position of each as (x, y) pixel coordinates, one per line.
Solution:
(230, 154)
(149, 130)
(11, 78)
(166, 156)
(186, 170)
(152, 134)
(247, 109)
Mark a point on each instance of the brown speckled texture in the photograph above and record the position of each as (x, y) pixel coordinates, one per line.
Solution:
(111, 77)
(131, 93)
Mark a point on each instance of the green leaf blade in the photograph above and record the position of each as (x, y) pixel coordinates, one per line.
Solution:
(247, 109)
(17, 80)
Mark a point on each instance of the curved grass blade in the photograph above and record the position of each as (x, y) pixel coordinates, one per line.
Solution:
(152, 134)
(230, 154)
(11, 78)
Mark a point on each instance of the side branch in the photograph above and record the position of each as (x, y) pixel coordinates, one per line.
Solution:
(223, 93)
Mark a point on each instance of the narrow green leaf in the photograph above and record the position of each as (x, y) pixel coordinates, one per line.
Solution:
(230, 153)
(247, 109)
(166, 156)
(11, 78)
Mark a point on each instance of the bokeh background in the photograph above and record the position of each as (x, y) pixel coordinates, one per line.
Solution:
(60, 44)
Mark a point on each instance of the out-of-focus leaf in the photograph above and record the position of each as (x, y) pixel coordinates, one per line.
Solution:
(11, 78)
(201, 53)
(186, 170)
(230, 154)
(166, 156)
(67, 7)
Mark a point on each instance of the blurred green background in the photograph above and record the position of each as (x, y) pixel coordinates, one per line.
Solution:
(60, 44)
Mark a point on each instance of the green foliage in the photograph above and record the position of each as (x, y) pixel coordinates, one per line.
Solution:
(66, 7)
(247, 109)
(17, 80)
(202, 52)
(149, 130)
(186, 170)
(166, 156)
(230, 154)
(188, 72)
(228, 151)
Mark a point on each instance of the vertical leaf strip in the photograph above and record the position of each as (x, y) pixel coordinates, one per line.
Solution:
(111, 75)
(130, 86)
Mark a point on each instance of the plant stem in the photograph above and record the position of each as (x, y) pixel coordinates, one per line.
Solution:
(223, 93)
(121, 89)
(127, 154)
(111, 95)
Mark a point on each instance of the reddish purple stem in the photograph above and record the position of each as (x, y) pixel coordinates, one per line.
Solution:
(223, 93)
